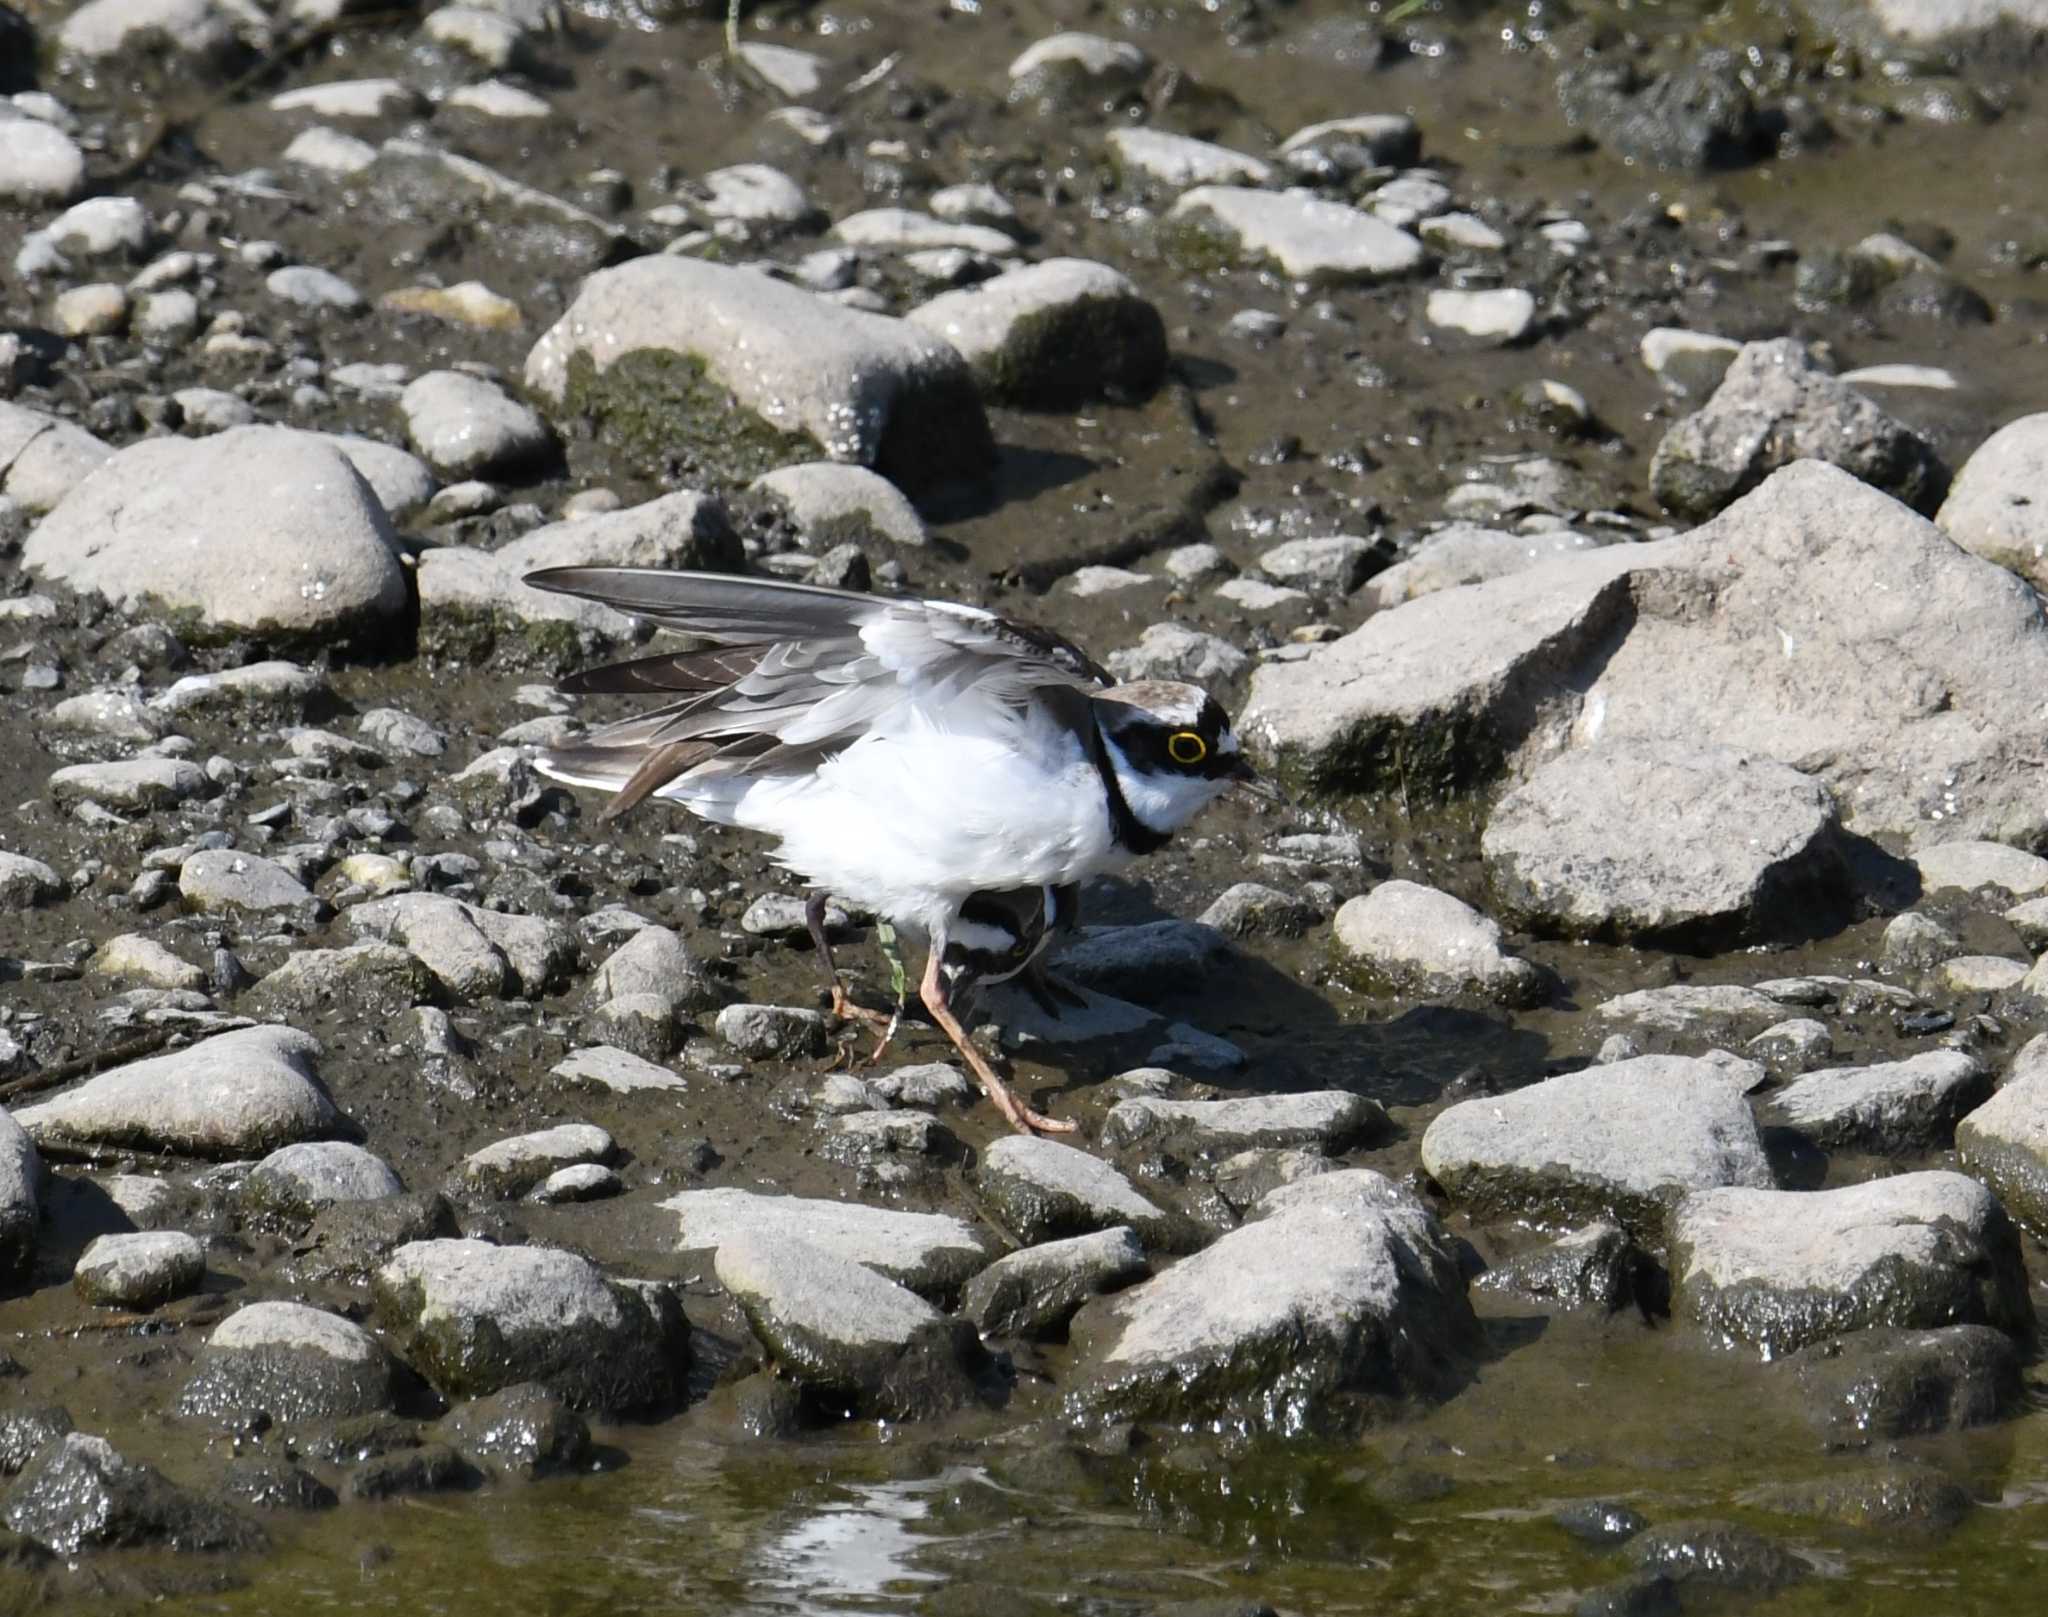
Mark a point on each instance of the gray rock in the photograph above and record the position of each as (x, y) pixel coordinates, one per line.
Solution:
(81, 1493)
(1336, 564)
(773, 1032)
(1054, 333)
(1340, 1301)
(1894, 1106)
(1176, 162)
(24, 1431)
(1175, 651)
(1039, 1190)
(833, 504)
(370, 979)
(290, 1363)
(674, 340)
(1077, 72)
(402, 482)
(392, 731)
(509, 1168)
(1995, 510)
(347, 1240)
(1642, 841)
(26, 882)
(1684, 361)
(1970, 865)
(656, 961)
(582, 1182)
(256, 530)
(139, 1271)
(1596, 1269)
(1875, 1386)
(1154, 957)
(931, 1253)
(1779, 1270)
(1982, 974)
(473, 953)
(1693, 119)
(1341, 147)
(132, 783)
(906, 231)
(928, 1083)
(475, 1318)
(269, 689)
(1332, 1119)
(271, 1482)
(466, 427)
(1467, 554)
(296, 1181)
(116, 715)
(2004, 1142)
(1624, 1141)
(839, 1329)
(1416, 940)
(525, 1431)
(1252, 909)
(1497, 316)
(44, 457)
(132, 958)
(39, 164)
(1036, 1291)
(1304, 237)
(1694, 1010)
(1683, 637)
(619, 1071)
(314, 288)
(1915, 942)
(237, 1094)
(757, 195)
(224, 881)
(21, 1187)
(1713, 1554)
(1777, 406)
(410, 180)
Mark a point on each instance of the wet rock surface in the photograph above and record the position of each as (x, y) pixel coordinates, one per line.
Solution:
(1181, 338)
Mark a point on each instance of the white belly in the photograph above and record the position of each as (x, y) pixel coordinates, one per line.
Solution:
(909, 823)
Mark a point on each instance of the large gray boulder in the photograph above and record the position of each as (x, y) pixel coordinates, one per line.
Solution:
(2004, 1142)
(475, 1318)
(257, 530)
(239, 1094)
(1891, 1106)
(1624, 1141)
(1778, 1270)
(1759, 631)
(1416, 940)
(1339, 1303)
(1649, 841)
(79, 1492)
(704, 366)
(1775, 406)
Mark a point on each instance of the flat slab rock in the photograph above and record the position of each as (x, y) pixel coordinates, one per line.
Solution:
(1751, 632)
(1777, 1270)
(1655, 841)
(1340, 1302)
(1892, 1106)
(863, 388)
(933, 1254)
(238, 1094)
(1330, 1118)
(1627, 1141)
(474, 1318)
(1303, 236)
(1041, 1190)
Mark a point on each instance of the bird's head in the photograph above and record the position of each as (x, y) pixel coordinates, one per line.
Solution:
(1172, 749)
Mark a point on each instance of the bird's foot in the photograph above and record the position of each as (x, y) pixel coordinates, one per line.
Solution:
(844, 1008)
(1019, 1116)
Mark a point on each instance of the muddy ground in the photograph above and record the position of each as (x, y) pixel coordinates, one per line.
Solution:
(1355, 420)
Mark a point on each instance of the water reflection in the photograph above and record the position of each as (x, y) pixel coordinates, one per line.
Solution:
(851, 1552)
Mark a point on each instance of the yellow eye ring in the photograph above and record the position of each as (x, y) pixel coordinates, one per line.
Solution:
(1185, 747)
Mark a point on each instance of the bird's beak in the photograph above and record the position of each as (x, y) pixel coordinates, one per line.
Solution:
(1246, 778)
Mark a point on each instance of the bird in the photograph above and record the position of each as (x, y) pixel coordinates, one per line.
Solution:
(956, 772)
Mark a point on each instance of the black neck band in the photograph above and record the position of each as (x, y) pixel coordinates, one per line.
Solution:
(1132, 834)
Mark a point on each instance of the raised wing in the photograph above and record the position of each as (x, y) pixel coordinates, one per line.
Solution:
(797, 672)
